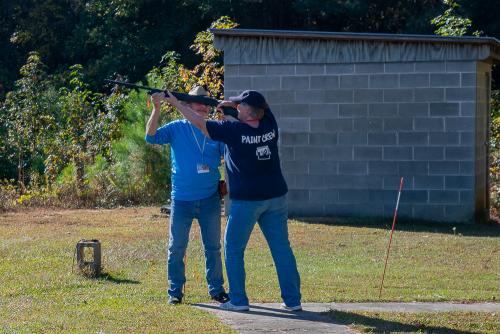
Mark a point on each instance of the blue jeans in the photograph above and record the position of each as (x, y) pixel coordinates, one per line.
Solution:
(272, 217)
(207, 211)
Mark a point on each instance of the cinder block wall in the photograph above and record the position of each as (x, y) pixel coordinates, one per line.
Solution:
(349, 131)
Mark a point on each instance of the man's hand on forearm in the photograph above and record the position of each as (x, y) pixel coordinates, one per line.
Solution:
(152, 124)
(226, 103)
(195, 119)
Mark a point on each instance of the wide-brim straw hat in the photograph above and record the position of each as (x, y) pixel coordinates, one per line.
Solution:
(198, 91)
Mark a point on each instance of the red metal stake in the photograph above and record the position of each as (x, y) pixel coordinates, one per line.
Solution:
(390, 239)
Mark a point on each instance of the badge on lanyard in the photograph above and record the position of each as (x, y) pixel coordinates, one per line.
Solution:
(202, 168)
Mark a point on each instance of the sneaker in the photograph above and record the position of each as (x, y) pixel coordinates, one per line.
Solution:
(291, 308)
(221, 297)
(174, 300)
(230, 307)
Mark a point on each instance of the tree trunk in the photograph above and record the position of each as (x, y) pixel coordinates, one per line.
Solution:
(20, 173)
(80, 173)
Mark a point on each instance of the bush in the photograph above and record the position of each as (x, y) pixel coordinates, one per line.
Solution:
(11, 198)
(495, 151)
(8, 195)
(99, 189)
(140, 171)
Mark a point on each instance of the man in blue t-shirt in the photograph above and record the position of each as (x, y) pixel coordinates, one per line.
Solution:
(195, 178)
(257, 190)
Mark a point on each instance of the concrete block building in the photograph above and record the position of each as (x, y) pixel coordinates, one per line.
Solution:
(358, 111)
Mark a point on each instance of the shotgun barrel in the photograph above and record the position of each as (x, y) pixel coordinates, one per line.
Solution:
(206, 100)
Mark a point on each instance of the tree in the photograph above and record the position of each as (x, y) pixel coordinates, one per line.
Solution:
(87, 125)
(210, 72)
(450, 23)
(28, 117)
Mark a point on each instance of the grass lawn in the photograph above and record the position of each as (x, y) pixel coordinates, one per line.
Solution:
(339, 262)
(441, 323)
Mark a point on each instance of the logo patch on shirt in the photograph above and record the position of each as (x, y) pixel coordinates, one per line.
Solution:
(263, 153)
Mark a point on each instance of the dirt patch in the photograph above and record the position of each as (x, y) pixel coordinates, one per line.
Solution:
(41, 216)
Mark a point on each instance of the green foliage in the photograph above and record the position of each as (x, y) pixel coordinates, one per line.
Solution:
(8, 166)
(140, 171)
(495, 150)
(28, 117)
(394, 16)
(204, 41)
(8, 195)
(210, 71)
(88, 122)
(44, 129)
(495, 118)
(86, 149)
(450, 23)
(171, 74)
(100, 188)
(67, 175)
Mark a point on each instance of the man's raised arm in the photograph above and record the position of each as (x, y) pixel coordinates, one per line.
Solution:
(152, 124)
(188, 113)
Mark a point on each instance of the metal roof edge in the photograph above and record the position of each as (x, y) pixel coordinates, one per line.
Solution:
(294, 34)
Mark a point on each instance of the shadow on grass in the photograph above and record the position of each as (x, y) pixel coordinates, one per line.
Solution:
(487, 229)
(116, 280)
(377, 325)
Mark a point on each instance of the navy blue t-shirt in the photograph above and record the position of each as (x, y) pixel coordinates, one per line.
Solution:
(251, 156)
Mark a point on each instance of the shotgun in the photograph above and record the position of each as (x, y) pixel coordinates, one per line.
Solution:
(206, 100)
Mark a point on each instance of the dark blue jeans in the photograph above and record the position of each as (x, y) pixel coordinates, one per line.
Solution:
(207, 211)
(272, 217)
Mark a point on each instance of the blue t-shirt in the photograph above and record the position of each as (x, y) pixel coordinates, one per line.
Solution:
(187, 183)
(251, 156)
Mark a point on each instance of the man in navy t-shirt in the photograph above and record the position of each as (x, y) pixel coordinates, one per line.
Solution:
(195, 179)
(257, 190)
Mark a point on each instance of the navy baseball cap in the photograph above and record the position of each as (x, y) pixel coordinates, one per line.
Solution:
(250, 97)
